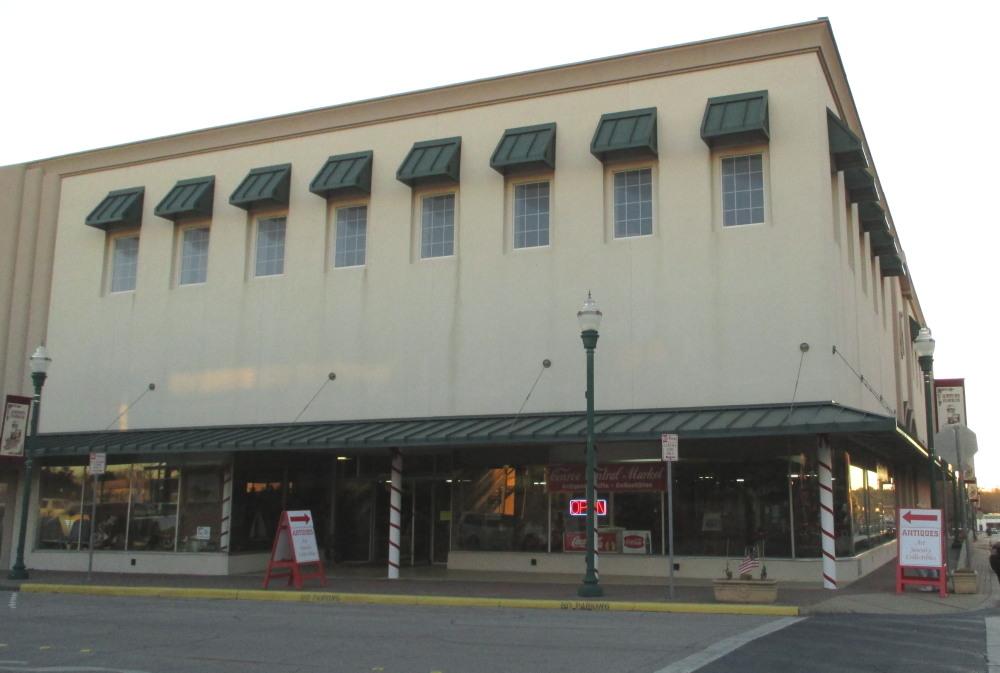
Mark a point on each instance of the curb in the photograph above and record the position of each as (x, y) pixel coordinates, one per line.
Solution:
(405, 599)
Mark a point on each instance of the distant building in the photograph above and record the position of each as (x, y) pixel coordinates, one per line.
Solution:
(431, 250)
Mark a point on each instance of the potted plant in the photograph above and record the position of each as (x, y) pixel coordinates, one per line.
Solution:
(744, 588)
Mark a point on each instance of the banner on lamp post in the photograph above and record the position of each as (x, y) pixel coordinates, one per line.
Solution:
(16, 410)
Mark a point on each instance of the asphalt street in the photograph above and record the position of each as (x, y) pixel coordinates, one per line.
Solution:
(58, 633)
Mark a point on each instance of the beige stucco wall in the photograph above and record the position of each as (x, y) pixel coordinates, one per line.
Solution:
(694, 315)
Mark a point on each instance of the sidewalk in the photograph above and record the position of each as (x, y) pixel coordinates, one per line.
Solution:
(874, 594)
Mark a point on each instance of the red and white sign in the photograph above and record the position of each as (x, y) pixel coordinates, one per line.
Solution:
(578, 507)
(295, 546)
(921, 545)
(668, 446)
(15, 426)
(98, 463)
(636, 542)
(572, 478)
(607, 541)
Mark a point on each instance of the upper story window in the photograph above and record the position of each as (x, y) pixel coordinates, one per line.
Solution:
(269, 250)
(743, 190)
(124, 262)
(633, 204)
(351, 236)
(531, 214)
(193, 256)
(437, 226)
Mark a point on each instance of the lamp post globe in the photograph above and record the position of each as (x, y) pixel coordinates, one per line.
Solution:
(923, 346)
(39, 362)
(589, 317)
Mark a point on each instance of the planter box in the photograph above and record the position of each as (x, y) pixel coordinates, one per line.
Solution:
(745, 591)
(965, 582)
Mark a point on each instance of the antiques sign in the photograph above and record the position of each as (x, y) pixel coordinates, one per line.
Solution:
(572, 478)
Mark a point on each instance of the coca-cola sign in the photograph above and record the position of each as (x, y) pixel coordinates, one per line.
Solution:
(571, 478)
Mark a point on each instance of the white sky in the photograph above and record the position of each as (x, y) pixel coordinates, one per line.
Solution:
(82, 75)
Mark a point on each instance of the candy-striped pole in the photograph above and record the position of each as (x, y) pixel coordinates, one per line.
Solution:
(395, 502)
(826, 523)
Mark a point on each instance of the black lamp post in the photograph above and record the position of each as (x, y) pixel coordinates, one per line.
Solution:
(923, 346)
(40, 361)
(590, 320)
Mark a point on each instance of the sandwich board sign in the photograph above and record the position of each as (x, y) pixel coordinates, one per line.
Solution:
(921, 547)
(295, 546)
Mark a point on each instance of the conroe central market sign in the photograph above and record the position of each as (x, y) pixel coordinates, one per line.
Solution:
(572, 478)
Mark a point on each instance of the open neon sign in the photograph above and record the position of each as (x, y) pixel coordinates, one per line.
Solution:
(578, 507)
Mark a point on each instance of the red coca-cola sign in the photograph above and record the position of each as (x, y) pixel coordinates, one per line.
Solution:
(634, 541)
(607, 541)
(571, 478)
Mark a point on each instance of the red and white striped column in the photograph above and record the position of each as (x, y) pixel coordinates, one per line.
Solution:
(395, 513)
(826, 523)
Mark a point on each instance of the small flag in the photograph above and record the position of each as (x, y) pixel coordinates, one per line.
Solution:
(749, 564)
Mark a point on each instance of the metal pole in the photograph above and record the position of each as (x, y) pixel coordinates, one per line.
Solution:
(19, 571)
(926, 364)
(590, 587)
(960, 481)
(670, 522)
(93, 519)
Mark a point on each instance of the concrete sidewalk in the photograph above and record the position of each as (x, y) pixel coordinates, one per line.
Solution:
(874, 594)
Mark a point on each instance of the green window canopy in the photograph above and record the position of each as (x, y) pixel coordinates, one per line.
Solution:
(344, 175)
(739, 119)
(845, 147)
(872, 217)
(526, 148)
(432, 162)
(188, 198)
(121, 208)
(860, 185)
(262, 187)
(892, 264)
(625, 135)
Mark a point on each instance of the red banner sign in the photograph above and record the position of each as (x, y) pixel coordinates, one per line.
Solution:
(607, 542)
(571, 478)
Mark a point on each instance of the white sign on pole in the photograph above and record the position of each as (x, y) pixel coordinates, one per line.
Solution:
(303, 536)
(920, 538)
(98, 463)
(668, 443)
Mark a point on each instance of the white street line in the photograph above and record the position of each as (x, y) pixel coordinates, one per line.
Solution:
(993, 644)
(723, 647)
(64, 669)
(12, 604)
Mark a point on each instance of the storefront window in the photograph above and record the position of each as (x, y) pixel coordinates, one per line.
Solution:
(501, 509)
(804, 478)
(59, 507)
(111, 522)
(153, 522)
(258, 499)
(201, 509)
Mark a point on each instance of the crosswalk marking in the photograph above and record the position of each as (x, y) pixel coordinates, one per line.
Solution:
(993, 644)
(723, 647)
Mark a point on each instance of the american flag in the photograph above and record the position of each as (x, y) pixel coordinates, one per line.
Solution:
(748, 564)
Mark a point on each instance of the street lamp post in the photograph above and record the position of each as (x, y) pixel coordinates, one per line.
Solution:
(590, 320)
(39, 370)
(923, 345)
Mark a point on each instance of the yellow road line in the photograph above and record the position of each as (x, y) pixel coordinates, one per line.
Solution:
(407, 599)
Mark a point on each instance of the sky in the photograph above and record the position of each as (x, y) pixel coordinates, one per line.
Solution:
(79, 76)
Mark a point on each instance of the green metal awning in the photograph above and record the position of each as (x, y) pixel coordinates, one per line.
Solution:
(892, 264)
(432, 162)
(526, 148)
(625, 135)
(860, 184)
(470, 432)
(119, 209)
(263, 187)
(739, 119)
(188, 198)
(344, 175)
(882, 242)
(872, 217)
(845, 147)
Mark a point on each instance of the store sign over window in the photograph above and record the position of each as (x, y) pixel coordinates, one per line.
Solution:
(634, 477)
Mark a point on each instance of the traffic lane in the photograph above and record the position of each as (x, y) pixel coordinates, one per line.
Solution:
(883, 643)
(162, 636)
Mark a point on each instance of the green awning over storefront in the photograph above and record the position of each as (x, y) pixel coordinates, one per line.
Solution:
(263, 187)
(344, 175)
(526, 148)
(625, 135)
(470, 432)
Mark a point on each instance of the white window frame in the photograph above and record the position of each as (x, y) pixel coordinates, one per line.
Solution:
(511, 218)
(255, 237)
(112, 243)
(610, 171)
(335, 208)
(718, 193)
(418, 214)
(181, 231)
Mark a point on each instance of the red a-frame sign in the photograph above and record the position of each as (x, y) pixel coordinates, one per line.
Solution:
(920, 547)
(294, 547)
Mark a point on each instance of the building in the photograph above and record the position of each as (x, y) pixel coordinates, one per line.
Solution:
(311, 293)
